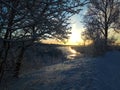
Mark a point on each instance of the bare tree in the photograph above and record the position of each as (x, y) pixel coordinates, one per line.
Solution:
(102, 16)
(22, 22)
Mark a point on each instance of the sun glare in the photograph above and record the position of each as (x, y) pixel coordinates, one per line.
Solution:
(75, 36)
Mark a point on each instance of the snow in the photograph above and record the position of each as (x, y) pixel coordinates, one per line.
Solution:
(107, 71)
(100, 73)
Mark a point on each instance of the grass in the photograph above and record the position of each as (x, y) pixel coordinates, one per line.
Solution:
(40, 55)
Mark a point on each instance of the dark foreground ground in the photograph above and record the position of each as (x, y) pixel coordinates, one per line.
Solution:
(99, 73)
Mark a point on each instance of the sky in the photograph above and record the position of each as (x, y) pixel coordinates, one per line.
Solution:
(77, 28)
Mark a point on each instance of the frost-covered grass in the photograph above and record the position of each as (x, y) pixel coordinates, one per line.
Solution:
(39, 56)
(98, 73)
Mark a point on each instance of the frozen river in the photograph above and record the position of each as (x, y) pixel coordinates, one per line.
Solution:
(70, 53)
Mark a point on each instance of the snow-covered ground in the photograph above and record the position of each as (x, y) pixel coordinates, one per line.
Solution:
(101, 73)
(108, 72)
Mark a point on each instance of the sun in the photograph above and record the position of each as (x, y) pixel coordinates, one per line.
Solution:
(75, 36)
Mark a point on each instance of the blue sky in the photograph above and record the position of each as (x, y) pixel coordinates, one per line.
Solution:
(77, 27)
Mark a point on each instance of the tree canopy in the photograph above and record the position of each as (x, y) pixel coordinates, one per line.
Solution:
(25, 19)
(102, 16)
(22, 22)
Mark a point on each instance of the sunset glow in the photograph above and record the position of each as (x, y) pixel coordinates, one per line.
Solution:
(75, 36)
(74, 39)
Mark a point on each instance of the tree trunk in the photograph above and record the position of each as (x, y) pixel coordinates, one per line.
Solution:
(3, 62)
(106, 39)
(106, 28)
(6, 45)
(19, 62)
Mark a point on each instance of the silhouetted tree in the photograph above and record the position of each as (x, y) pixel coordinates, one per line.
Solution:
(102, 16)
(22, 22)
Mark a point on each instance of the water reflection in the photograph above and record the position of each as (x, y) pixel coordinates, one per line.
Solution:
(70, 52)
(73, 53)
